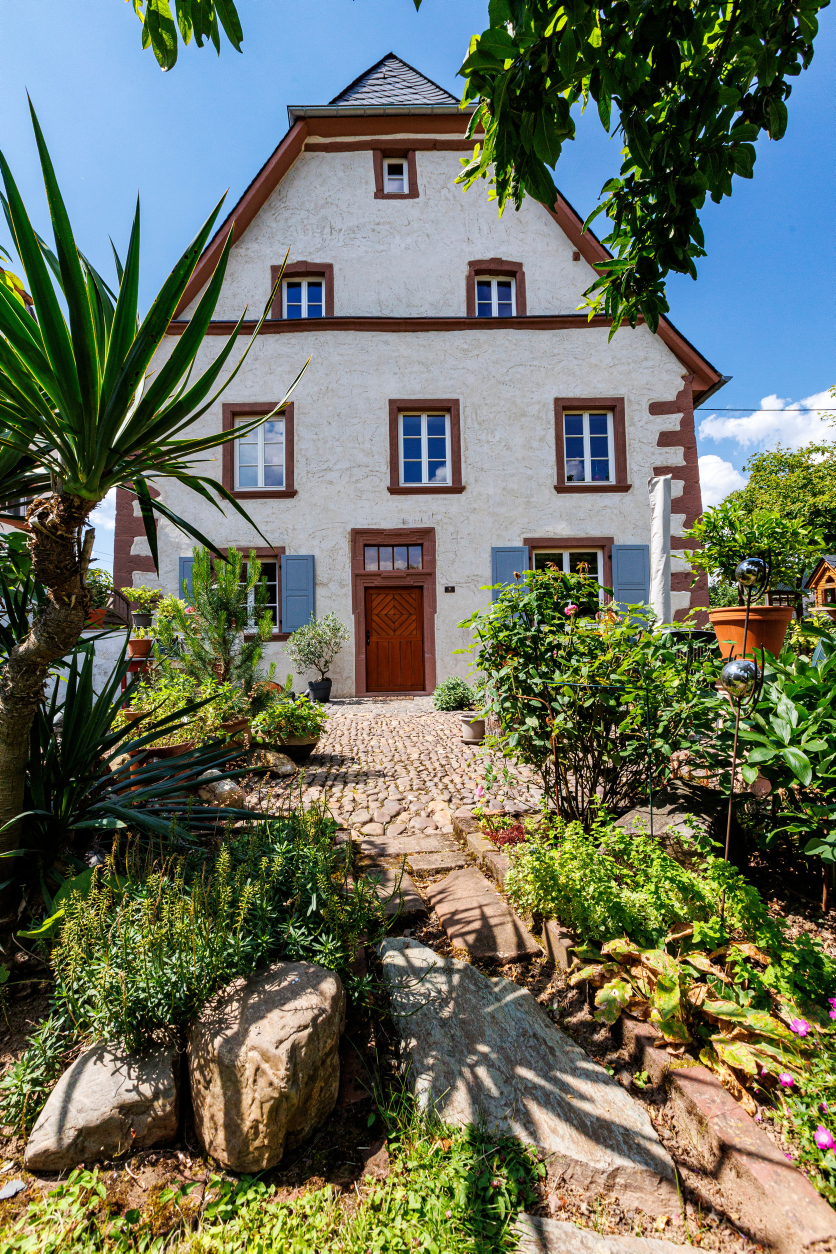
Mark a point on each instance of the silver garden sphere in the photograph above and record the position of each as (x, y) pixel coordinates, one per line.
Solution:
(750, 571)
(739, 677)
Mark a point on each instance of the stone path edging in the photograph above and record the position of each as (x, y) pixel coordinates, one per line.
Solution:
(554, 1236)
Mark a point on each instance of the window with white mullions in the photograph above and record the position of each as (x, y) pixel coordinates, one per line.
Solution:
(259, 455)
(303, 298)
(270, 580)
(395, 176)
(495, 298)
(425, 448)
(588, 447)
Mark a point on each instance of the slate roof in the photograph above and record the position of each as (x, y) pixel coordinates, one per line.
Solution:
(392, 82)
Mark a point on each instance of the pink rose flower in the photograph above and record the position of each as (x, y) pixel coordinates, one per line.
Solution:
(800, 1026)
(480, 792)
(785, 1079)
(823, 1138)
(571, 609)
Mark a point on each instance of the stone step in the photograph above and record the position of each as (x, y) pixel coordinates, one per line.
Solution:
(379, 847)
(396, 889)
(483, 1050)
(427, 863)
(478, 920)
(554, 1236)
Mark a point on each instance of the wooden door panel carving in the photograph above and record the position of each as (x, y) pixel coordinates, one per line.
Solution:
(394, 639)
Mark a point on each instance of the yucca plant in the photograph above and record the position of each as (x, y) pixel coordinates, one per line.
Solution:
(76, 402)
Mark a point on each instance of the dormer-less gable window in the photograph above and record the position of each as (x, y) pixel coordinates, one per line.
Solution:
(303, 298)
(395, 176)
(495, 298)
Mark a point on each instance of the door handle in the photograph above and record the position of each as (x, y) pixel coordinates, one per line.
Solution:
(368, 637)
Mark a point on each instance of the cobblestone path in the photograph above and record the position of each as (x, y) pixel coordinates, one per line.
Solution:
(389, 763)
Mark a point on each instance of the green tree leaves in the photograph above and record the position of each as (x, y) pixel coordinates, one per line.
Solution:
(201, 19)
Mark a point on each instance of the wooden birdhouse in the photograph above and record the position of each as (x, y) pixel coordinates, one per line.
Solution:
(822, 584)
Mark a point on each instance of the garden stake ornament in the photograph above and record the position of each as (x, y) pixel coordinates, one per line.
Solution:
(741, 677)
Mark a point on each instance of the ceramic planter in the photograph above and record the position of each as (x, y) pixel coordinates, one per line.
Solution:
(767, 628)
(142, 620)
(473, 728)
(319, 690)
(299, 748)
(140, 647)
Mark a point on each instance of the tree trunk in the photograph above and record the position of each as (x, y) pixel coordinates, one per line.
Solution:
(60, 563)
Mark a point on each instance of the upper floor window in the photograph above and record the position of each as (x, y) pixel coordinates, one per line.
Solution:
(259, 455)
(425, 448)
(588, 447)
(395, 176)
(495, 298)
(303, 298)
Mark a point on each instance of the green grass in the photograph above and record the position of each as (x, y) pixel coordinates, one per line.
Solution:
(450, 1191)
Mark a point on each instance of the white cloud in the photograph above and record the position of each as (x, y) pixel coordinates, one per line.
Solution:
(717, 479)
(103, 517)
(792, 423)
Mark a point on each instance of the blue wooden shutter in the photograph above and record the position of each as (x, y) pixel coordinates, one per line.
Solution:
(297, 590)
(185, 573)
(631, 573)
(505, 561)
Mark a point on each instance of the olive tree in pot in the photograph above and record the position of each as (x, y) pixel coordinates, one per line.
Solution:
(314, 647)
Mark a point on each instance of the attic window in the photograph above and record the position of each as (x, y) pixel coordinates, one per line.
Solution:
(395, 177)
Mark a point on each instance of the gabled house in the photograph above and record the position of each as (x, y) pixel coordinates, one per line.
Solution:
(460, 419)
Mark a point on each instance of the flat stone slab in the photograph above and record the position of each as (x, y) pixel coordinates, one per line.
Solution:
(554, 1236)
(477, 919)
(379, 847)
(481, 1049)
(400, 897)
(425, 863)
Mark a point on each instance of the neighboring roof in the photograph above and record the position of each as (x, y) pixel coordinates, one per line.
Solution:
(389, 86)
(829, 560)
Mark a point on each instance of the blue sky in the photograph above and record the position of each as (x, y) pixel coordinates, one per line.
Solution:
(762, 309)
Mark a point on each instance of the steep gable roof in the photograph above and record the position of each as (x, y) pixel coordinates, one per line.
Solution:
(392, 82)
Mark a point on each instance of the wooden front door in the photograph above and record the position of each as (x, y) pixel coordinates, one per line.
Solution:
(394, 639)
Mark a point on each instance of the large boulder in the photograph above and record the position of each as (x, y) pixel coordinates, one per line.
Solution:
(107, 1103)
(482, 1050)
(263, 1063)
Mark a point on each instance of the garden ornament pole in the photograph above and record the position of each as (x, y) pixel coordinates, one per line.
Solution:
(741, 677)
(659, 487)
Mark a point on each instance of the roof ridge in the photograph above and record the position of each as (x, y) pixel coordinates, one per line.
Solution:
(371, 84)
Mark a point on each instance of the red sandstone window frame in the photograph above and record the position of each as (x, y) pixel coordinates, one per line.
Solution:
(615, 406)
(494, 268)
(253, 409)
(304, 270)
(402, 154)
(455, 486)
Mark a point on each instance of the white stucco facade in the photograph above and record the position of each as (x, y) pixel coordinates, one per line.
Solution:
(408, 259)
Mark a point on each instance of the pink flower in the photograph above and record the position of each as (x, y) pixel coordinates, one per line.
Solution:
(823, 1138)
(832, 1001)
(764, 1073)
(785, 1079)
(833, 1013)
(758, 1118)
(570, 610)
(480, 792)
(823, 1107)
(800, 1026)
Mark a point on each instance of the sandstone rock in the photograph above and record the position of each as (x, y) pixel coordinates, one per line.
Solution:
(107, 1103)
(396, 829)
(222, 792)
(359, 817)
(392, 808)
(263, 1063)
(481, 1049)
(553, 1236)
(372, 829)
(381, 816)
(275, 763)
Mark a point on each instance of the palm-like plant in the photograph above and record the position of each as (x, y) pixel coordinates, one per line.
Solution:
(77, 417)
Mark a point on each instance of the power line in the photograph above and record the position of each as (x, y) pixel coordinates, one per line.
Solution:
(754, 409)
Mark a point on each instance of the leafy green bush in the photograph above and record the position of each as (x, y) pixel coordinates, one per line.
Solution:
(173, 694)
(606, 883)
(133, 962)
(301, 717)
(100, 586)
(453, 694)
(595, 701)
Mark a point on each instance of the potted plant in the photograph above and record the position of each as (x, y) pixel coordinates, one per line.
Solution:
(455, 694)
(139, 644)
(146, 599)
(100, 587)
(314, 647)
(292, 726)
(730, 532)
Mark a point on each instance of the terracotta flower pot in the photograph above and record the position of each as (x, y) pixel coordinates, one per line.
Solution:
(95, 618)
(767, 628)
(141, 647)
(171, 751)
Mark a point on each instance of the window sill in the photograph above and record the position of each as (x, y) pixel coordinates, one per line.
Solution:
(277, 635)
(263, 494)
(592, 487)
(427, 489)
